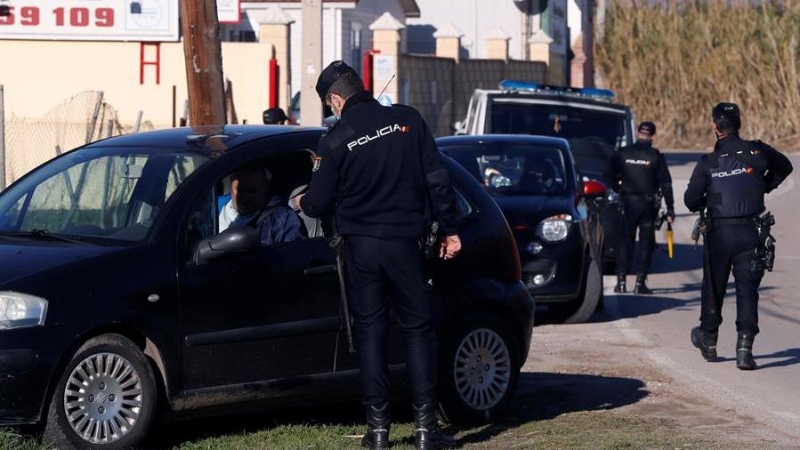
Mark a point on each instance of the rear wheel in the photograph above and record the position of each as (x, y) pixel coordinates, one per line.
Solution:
(582, 308)
(478, 371)
(105, 399)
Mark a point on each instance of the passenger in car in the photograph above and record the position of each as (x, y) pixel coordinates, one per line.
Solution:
(252, 205)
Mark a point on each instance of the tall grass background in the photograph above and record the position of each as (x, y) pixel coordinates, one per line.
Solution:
(672, 61)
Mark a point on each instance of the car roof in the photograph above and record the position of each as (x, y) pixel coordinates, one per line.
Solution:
(208, 138)
(552, 96)
(502, 139)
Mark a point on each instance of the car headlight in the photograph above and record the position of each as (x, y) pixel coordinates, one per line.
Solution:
(555, 228)
(19, 310)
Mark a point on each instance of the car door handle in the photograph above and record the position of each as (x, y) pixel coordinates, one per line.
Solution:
(320, 271)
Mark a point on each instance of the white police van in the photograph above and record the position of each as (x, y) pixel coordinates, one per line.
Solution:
(588, 118)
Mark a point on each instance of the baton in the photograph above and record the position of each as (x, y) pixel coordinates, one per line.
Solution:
(670, 240)
(338, 244)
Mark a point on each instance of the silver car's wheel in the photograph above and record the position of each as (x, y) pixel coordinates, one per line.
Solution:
(103, 398)
(478, 368)
(482, 369)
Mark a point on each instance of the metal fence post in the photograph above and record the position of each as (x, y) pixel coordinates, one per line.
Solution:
(93, 124)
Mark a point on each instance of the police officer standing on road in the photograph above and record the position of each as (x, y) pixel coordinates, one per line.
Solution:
(638, 171)
(730, 183)
(377, 166)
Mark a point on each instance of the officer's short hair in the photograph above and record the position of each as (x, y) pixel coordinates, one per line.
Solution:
(726, 117)
(347, 85)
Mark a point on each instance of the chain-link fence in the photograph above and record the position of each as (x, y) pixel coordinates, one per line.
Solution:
(84, 118)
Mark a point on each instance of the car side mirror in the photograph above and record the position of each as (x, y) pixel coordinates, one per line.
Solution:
(459, 127)
(594, 189)
(232, 240)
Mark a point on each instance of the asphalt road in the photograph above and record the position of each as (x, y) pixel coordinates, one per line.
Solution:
(661, 323)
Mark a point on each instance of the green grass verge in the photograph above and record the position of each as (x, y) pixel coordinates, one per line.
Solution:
(573, 431)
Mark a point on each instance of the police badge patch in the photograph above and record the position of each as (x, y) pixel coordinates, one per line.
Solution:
(317, 162)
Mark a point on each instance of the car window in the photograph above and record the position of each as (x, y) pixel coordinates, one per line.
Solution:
(513, 169)
(93, 192)
(591, 133)
(279, 178)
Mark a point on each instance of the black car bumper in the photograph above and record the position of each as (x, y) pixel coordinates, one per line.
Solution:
(556, 273)
(27, 359)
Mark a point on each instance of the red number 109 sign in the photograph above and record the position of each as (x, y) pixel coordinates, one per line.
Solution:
(91, 20)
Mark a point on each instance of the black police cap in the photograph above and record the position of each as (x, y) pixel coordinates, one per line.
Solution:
(728, 111)
(647, 128)
(274, 115)
(330, 75)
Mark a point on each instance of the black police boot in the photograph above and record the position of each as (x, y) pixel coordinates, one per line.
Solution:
(744, 352)
(640, 287)
(378, 424)
(707, 343)
(428, 434)
(620, 287)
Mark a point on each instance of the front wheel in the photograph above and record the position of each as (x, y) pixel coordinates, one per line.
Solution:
(105, 399)
(478, 371)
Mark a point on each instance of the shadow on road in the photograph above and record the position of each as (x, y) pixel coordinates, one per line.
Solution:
(539, 396)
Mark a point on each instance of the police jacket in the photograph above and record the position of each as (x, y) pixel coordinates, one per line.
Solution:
(379, 167)
(642, 170)
(732, 180)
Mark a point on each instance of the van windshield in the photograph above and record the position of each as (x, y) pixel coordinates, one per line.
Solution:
(593, 134)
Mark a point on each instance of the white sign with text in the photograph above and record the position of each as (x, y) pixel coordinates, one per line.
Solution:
(91, 20)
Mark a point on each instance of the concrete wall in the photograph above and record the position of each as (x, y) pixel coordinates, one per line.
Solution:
(45, 74)
(474, 18)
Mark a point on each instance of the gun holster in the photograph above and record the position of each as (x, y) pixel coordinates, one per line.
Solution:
(430, 243)
(764, 257)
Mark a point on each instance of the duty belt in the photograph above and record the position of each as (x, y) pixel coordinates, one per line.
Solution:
(733, 221)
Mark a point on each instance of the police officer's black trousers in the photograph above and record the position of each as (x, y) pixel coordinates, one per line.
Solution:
(640, 214)
(376, 268)
(733, 247)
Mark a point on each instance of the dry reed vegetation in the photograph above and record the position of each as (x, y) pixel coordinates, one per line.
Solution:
(673, 62)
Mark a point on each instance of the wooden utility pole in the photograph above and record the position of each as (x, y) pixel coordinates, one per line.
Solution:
(203, 56)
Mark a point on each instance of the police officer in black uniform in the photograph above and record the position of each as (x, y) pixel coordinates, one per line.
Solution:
(638, 171)
(730, 183)
(377, 167)
(274, 116)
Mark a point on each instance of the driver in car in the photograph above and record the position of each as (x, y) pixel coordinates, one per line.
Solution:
(252, 205)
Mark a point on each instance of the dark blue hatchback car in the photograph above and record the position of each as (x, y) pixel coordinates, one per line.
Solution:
(553, 211)
(121, 303)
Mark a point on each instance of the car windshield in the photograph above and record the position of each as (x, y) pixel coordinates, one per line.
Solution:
(593, 134)
(96, 193)
(513, 169)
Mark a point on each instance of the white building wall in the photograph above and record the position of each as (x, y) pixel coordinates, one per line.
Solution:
(475, 19)
(337, 20)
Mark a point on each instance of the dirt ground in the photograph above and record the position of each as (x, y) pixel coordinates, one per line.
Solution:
(595, 366)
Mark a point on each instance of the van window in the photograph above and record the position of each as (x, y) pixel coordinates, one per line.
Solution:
(592, 134)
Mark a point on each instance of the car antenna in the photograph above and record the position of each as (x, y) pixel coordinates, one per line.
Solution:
(386, 86)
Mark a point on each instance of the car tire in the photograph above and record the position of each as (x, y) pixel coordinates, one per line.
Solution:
(582, 308)
(116, 404)
(478, 370)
